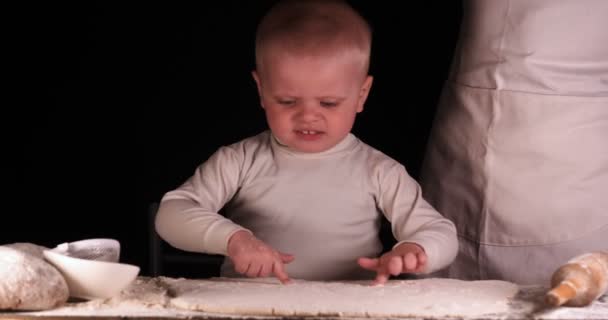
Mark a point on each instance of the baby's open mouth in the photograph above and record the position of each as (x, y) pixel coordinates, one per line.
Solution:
(308, 131)
(309, 135)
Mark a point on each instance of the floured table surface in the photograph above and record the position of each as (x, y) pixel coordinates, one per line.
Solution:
(223, 298)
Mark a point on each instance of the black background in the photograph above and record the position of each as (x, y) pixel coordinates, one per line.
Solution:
(108, 106)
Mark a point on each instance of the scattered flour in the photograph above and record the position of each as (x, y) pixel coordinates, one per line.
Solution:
(241, 299)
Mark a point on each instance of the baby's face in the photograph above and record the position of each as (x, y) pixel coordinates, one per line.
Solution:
(311, 104)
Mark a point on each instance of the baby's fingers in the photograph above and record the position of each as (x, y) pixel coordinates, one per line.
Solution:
(381, 277)
(396, 265)
(422, 259)
(410, 261)
(253, 270)
(265, 270)
(241, 267)
(369, 263)
(286, 257)
(374, 264)
(279, 272)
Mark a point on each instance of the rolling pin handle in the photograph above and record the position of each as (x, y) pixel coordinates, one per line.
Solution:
(560, 294)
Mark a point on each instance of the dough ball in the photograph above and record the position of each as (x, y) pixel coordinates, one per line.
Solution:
(28, 281)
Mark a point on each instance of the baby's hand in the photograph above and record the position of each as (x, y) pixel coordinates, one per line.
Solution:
(254, 258)
(404, 258)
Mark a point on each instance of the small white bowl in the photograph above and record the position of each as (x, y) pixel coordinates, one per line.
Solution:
(92, 279)
(101, 249)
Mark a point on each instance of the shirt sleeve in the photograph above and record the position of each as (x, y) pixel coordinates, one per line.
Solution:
(188, 217)
(413, 219)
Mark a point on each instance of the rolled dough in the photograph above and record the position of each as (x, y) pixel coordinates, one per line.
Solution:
(398, 298)
(29, 282)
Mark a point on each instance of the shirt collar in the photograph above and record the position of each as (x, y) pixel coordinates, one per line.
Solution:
(346, 144)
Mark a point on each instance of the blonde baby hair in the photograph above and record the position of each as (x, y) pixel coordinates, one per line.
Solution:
(311, 29)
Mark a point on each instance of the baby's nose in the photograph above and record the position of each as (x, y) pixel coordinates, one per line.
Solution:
(307, 113)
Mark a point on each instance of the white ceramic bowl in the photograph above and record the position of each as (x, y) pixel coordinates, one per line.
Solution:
(92, 279)
(101, 249)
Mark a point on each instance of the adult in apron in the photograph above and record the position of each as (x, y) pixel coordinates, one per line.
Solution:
(518, 153)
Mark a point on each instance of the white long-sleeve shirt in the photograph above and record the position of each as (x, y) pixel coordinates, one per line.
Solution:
(324, 208)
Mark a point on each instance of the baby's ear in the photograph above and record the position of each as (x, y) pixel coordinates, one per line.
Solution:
(364, 92)
(256, 78)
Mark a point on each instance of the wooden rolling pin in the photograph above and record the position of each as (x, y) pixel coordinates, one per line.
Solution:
(580, 281)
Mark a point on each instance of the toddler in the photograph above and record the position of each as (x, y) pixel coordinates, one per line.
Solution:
(304, 199)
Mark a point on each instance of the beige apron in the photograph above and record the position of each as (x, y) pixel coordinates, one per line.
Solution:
(518, 154)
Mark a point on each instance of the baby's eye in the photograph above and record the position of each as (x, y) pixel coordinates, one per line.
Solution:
(286, 102)
(328, 104)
